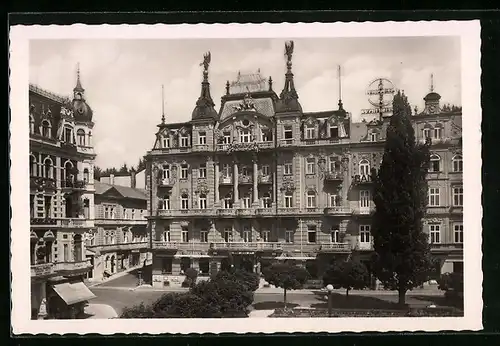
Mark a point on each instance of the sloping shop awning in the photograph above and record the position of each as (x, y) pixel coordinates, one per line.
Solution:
(73, 293)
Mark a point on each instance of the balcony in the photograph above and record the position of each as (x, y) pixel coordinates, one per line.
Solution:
(68, 147)
(166, 182)
(245, 212)
(265, 179)
(245, 179)
(337, 210)
(456, 210)
(247, 246)
(42, 270)
(226, 180)
(298, 248)
(363, 246)
(312, 211)
(177, 150)
(73, 185)
(68, 268)
(226, 212)
(362, 179)
(334, 176)
(125, 222)
(76, 223)
(181, 246)
(364, 210)
(185, 212)
(120, 247)
(43, 222)
(286, 142)
(265, 145)
(264, 212)
(335, 248)
(201, 147)
(42, 184)
(447, 247)
(288, 211)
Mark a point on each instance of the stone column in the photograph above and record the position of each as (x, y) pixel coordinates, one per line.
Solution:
(235, 186)
(216, 167)
(255, 186)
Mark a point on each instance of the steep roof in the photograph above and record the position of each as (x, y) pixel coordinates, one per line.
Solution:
(125, 191)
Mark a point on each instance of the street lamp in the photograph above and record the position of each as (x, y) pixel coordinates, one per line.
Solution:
(329, 288)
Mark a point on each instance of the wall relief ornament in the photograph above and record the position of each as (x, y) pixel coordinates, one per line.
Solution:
(288, 184)
(246, 105)
(202, 187)
(433, 220)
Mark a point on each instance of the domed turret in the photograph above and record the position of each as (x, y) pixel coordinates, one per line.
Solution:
(205, 105)
(81, 110)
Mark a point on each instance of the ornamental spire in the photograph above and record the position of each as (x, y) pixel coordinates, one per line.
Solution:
(162, 105)
(78, 86)
(288, 97)
(205, 105)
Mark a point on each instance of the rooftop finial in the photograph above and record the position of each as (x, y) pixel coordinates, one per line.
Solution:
(270, 83)
(162, 105)
(340, 87)
(432, 82)
(78, 86)
(227, 88)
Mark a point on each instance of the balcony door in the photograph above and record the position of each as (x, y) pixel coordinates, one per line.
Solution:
(77, 248)
(364, 201)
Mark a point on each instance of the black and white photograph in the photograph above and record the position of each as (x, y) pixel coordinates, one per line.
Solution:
(258, 178)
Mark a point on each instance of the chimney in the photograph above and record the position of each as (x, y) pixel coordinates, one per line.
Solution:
(132, 179)
(112, 179)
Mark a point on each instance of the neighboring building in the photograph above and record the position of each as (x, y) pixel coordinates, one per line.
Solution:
(261, 181)
(120, 241)
(61, 201)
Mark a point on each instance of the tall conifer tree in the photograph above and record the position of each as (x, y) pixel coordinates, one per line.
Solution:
(402, 257)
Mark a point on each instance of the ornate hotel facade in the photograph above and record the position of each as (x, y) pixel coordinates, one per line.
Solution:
(61, 201)
(262, 180)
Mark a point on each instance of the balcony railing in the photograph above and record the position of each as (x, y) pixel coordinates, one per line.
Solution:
(201, 147)
(245, 179)
(226, 180)
(175, 150)
(312, 210)
(364, 210)
(265, 179)
(76, 223)
(447, 247)
(265, 211)
(286, 142)
(288, 211)
(123, 246)
(265, 145)
(131, 222)
(226, 212)
(43, 222)
(338, 210)
(245, 212)
(185, 212)
(246, 246)
(73, 184)
(335, 247)
(42, 270)
(334, 176)
(69, 267)
(166, 182)
(40, 183)
(187, 246)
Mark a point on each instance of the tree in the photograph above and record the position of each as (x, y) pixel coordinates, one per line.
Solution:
(286, 276)
(191, 276)
(350, 274)
(123, 169)
(250, 280)
(402, 258)
(97, 172)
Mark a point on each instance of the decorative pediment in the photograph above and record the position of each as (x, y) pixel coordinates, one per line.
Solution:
(311, 188)
(184, 130)
(433, 220)
(184, 191)
(310, 121)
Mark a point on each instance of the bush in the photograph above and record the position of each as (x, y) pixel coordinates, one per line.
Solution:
(192, 274)
(452, 282)
(250, 280)
(138, 311)
(187, 283)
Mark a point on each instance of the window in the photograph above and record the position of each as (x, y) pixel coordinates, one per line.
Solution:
(166, 235)
(226, 170)
(165, 142)
(435, 163)
(311, 234)
(458, 233)
(311, 199)
(245, 136)
(86, 175)
(112, 212)
(335, 235)
(185, 235)
(66, 253)
(227, 138)
(246, 201)
(204, 236)
(267, 135)
(166, 172)
(247, 235)
(184, 141)
(33, 166)
(184, 202)
(426, 133)
(32, 124)
(265, 235)
(202, 138)
(458, 196)
(125, 237)
(288, 236)
(68, 135)
(287, 132)
(48, 169)
(288, 200)
(334, 131)
(228, 202)
(106, 213)
(334, 200)
(202, 171)
(364, 168)
(364, 199)
(80, 135)
(435, 234)
(310, 165)
(227, 234)
(166, 265)
(434, 197)
(309, 132)
(457, 163)
(287, 168)
(265, 170)
(184, 171)
(266, 200)
(438, 132)
(133, 214)
(46, 129)
(125, 213)
(334, 164)
(202, 201)
(364, 234)
(245, 171)
(112, 239)
(373, 137)
(166, 203)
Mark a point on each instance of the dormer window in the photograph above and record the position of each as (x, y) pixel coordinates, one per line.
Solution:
(184, 141)
(309, 132)
(373, 137)
(68, 135)
(165, 142)
(80, 134)
(334, 131)
(245, 136)
(202, 138)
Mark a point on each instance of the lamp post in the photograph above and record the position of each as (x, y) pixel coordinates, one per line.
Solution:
(329, 288)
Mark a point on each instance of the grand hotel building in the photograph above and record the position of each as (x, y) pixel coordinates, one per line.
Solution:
(262, 180)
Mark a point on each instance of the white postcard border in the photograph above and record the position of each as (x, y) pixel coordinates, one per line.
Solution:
(469, 31)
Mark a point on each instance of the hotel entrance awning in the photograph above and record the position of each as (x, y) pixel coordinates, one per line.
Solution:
(73, 293)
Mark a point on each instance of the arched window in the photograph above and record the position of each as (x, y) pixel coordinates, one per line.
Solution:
(46, 128)
(364, 167)
(457, 163)
(311, 199)
(48, 168)
(266, 200)
(68, 134)
(80, 134)
(68, 171)
(435, 163)
(184, 201)
(32, 124)
(202, 201)
(166, 235)
(86, 175)
(33, 166)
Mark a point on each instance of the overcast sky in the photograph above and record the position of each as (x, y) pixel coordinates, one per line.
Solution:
(123, 78)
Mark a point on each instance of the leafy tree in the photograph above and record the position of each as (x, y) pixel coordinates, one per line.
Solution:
(97, 172)
(250, 280)
(191, 276)
(402, 258)
(138, 311)
(350, 274)
(286, 276)
(123, 169)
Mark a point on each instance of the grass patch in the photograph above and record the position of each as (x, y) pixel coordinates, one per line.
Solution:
(273, 305)
(340, 301)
